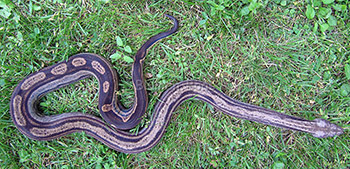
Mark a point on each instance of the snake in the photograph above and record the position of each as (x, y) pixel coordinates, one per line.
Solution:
(113, 128)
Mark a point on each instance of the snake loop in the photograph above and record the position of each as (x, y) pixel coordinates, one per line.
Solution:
(27, 93)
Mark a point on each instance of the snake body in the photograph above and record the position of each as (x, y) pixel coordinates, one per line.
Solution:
(26, 117)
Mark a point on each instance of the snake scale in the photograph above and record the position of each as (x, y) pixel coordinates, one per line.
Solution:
(27, 118)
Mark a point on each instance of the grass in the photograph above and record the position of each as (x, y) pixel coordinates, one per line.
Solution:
(271, 57)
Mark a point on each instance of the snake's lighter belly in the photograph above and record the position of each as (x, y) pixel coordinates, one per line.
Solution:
(25, 115)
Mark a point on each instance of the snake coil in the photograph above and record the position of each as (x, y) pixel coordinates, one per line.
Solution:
(25, 115)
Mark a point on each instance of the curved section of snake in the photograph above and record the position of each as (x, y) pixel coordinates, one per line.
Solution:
(26, 117)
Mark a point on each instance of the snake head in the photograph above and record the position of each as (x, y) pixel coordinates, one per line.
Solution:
(326, 129)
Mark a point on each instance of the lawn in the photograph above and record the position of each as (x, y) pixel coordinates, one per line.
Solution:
(292, 57)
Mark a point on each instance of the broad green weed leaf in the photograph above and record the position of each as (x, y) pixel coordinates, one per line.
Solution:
(202, 22)
(127, 49)
(119, 41)
(324, 27)
(116, 56)
(36, 7)
(324, 11)
(317, 3)
(347, 71)
(245, 11)
(310, 12)
(128, 59)
(339, 7)
(332, 21)
(283, 2)
(327, 1)
(345, 89)
(2, 82)
(36, 31)
(315, 27)
(278, 165)
(5, 11)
